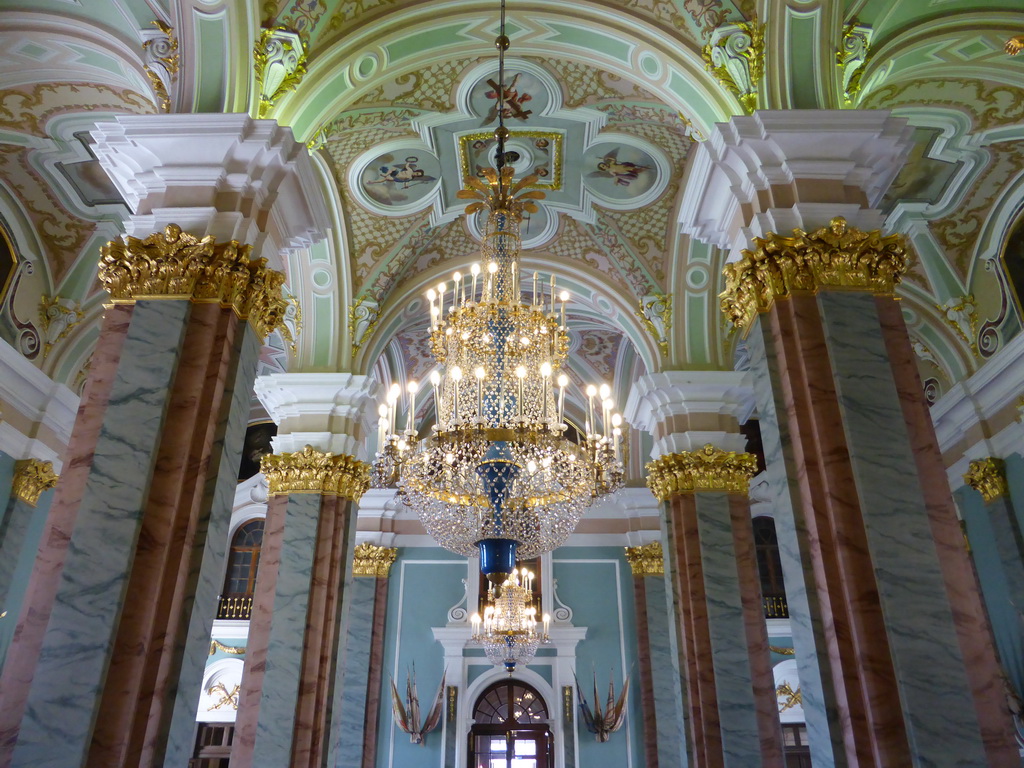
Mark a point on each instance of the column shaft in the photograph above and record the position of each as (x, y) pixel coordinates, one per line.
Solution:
(643, 636)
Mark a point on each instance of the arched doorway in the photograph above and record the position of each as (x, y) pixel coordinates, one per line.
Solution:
(510, 728)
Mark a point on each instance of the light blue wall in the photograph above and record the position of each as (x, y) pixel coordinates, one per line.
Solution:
(424, 584)
(596, 582)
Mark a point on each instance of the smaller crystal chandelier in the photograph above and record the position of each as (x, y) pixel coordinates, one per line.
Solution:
(508, 631)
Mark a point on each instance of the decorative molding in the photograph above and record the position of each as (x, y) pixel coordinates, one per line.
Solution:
(648, 560)
(217, 645)
(962, 316)
(852, 57)
(31, 478)
(57, 316)
(311, 471)
(735, 56)
(176, 265)
(1014, 45)
(709, 469)
(781, 650)
(371, 560)
(655, 313)
(162, 60)
(988, 477)
(280, 58)
(836, 256)
(362, 321)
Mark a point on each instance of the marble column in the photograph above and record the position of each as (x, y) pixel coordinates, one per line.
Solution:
(295, 665)
(663, 739)
(988, 477)
(880, 591)
(125, 572)
(357, 700)
(31, 478)
(730, 696)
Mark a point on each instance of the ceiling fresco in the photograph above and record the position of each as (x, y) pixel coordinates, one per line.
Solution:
(396, 101)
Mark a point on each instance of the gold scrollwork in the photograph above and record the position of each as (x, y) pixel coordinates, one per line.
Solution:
(371, 560)
(709, 469)
(227, 698)
(176, 265)
(735, 56)
(163, 61)
(280, 61)
(655, 313)
(312, 471)
(233, 650)
(782, 651)
(836, 256)
(1014, 45)
(988, 477)
(31, 478)
(648, 560)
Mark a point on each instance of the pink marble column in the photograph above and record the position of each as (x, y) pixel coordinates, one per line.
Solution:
(973, 630)
(371, 722)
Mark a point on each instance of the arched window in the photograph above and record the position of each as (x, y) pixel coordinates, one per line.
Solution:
(769, 566)
(240, 579)
(510, 728)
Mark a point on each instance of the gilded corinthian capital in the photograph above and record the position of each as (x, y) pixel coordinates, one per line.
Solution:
(709, 469)
(836, 256)
(31, 478)
(648, 560)
(988, 477)
(311, 471)
(176, 265)
(371, 560)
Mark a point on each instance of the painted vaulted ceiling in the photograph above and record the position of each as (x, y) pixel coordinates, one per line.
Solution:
(394, 101)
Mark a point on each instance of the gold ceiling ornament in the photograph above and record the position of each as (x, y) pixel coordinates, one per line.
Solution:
(1014, 45)
(57, 316)
(280, 60)
(312, 471)
(655, 313)
(709, 469)
(735, 56)
(781, 650)
(176, 265)
(499, 193)
(162, 61)
(852, 58)
(836, 256)
(648, 560)
(31, 478)
(988, 477)
(371, 560)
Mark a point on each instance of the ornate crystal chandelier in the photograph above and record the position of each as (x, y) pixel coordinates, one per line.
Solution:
(501, 474)
(508, 631)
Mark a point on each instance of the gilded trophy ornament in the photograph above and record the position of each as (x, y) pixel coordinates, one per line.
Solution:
(371, 560)
(312, 471)
(988, 477)
(709, 469)
(31, 478)
(648, 560)
(176, 265)
(837, 256)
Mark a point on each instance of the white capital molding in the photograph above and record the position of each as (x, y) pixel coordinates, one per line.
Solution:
(958, 414)
(37, 415)
(658, 397)
(751, 153)
(324, 410)
(226, 175)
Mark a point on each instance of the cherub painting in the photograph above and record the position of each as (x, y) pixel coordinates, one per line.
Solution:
(404, 174)
(622, 171)
(400, 178)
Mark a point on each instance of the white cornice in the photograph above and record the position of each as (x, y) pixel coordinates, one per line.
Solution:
(41, 402)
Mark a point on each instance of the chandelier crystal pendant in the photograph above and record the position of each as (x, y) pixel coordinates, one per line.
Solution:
(508, 630)
(501, 474)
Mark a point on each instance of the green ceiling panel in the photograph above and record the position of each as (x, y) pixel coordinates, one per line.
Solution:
(599, 42)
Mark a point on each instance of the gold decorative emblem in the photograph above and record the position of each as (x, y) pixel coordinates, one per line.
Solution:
(31, 478)
(792, 698)
(234, 650)
(836, 256)
(988, 477)
(709, 469)
(280, 59)
(371, 560)
(647, 560)
(1014, 45)
(656, 314)
(311, 471)
(176, 265)
(227, 698)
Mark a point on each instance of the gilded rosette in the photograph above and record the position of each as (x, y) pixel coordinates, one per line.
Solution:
(311, 471)
(709, 469)
(176, 265)
(988, 477)
(371, 560)
(648, 560)
(833, 257)
(31, 478)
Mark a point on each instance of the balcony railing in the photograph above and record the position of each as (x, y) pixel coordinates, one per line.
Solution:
(775, 608)
(234, 607)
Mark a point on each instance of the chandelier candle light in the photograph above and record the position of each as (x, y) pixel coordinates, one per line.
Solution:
(508, 630)
(500, 474)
